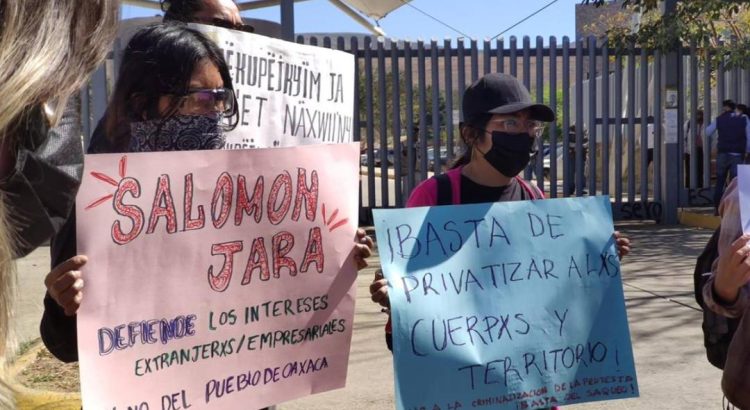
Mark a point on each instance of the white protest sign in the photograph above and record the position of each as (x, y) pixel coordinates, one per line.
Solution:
(743, 179)
(288, 94)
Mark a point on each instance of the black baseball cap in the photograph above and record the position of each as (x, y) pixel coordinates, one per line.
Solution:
(499, 93)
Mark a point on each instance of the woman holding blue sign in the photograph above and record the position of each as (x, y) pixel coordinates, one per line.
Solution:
(500, 129)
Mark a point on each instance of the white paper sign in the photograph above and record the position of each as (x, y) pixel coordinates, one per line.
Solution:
(743, 179)
(288, 94)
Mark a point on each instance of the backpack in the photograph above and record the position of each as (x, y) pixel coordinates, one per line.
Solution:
(717, 329)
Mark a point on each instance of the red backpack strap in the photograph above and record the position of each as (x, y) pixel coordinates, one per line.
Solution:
(531, 190)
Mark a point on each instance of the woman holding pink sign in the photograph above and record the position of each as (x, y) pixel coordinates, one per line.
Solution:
(174, 92)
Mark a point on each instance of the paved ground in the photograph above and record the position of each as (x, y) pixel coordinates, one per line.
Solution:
(664, 320)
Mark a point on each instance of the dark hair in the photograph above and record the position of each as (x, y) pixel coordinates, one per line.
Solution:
(742, 108)
(476, 127)
(158, 60)
(180, 10)
(729, 104)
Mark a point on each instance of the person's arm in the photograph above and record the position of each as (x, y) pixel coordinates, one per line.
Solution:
(726, 291)
(711, 129)
(747, 134)
(58, 330)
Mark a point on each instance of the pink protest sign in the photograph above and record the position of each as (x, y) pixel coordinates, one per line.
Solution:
(216, 279)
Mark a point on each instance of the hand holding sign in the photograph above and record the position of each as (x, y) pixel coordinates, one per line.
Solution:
(623, 245)
(362, 248)
(733, 271)
(65, 283)
(379, 290)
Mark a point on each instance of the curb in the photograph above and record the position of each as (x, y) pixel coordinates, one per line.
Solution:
(31, 399)
(698, 220)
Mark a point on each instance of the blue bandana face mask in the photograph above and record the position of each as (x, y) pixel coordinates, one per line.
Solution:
(177, 133)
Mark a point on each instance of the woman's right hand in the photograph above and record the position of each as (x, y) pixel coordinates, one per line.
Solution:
(379, 289)
(65, 284)
(733, 271)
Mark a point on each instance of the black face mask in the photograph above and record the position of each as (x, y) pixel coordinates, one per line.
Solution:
(510, 153)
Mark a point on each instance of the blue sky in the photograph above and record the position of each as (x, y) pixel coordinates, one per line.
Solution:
(477, 18)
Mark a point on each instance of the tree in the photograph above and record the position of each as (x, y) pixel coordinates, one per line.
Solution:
(719, 26)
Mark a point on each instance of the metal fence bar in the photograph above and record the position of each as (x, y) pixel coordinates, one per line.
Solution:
(370, 124)
(706, 119)
(527, 62)
(449, 101)
(527, 83)
(487, 56)
(567, 171)
(383, 128)
(618, 130)
(396, 129)
(422, 139)
(658, 143)
(435, 108)
(461, 64)
(605, 119)
(579, 154)
(593, 137)
(513, 56)
(500, 55)
(474, 61)
(553, 127)
(736, 85)
(720, 86)
(540, 99)
(646, 148)
(356, 120)
(692, 148)
(631, 125)
(681, 113)
(411, 152)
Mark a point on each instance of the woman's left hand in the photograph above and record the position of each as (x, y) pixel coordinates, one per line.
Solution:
(623, 244)
(362, 248)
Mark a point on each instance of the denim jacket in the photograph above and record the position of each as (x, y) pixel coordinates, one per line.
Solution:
(736, 378)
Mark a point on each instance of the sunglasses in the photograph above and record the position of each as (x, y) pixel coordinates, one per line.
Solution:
(208, 101)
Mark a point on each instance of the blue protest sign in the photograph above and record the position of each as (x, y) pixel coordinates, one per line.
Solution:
(515, 305)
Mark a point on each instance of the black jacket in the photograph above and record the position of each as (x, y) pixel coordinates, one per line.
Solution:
(59, 332)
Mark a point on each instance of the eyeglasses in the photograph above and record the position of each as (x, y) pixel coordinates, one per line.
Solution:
(208, 101)
(516, 126)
